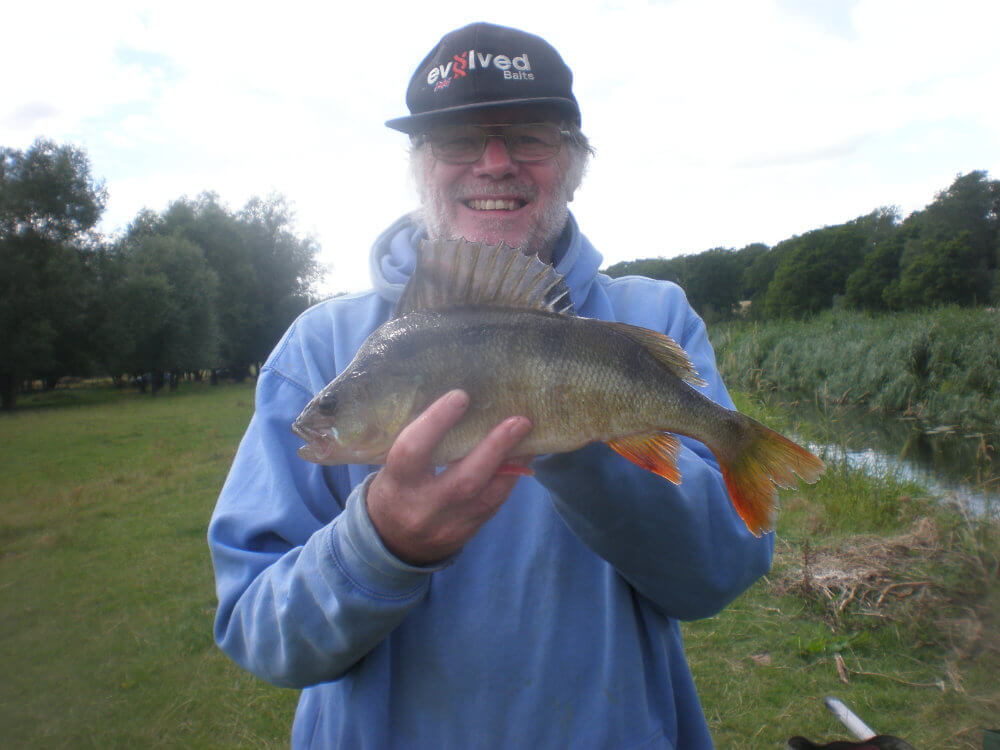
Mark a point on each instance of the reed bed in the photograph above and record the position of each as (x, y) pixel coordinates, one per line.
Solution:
(941, 366)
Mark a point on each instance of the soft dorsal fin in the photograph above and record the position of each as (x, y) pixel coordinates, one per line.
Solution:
(667, 351)
(453, 273)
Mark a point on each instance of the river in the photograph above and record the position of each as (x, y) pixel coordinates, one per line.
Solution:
(958, 466)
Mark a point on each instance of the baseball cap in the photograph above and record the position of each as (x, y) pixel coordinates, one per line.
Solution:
(483, 66)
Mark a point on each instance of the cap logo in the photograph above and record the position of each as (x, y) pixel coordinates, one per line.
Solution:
(513, 68)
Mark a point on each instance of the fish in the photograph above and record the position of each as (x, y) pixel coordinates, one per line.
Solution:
(500, 325)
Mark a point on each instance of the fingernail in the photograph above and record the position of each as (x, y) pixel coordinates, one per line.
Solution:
(519, 427)
(458, 399)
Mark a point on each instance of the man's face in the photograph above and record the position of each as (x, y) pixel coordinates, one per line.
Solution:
(497, 199)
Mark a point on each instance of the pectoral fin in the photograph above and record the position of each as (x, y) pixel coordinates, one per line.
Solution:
(654, 451)
(511, 469)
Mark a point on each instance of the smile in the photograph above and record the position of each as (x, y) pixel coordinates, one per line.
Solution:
(494, 204)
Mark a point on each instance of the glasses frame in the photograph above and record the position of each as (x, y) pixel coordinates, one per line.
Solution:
(427, 137)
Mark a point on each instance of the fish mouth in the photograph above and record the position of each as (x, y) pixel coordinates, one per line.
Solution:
(320, 445)
(494, 204)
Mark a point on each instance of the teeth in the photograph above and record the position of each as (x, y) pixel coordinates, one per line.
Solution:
(494, 205)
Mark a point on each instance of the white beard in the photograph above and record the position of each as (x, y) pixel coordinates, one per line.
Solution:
(542, 233)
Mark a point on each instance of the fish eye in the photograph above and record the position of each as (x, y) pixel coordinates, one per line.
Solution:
(327, 404)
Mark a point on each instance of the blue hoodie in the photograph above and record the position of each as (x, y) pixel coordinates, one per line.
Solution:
(555, 626)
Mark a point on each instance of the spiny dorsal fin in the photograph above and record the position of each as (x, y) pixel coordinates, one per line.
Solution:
(667, 351)
(452, 273)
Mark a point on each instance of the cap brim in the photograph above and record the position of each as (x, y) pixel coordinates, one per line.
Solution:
(416, 123)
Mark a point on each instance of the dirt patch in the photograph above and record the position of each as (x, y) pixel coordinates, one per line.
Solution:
(864, 570)
(899, 577)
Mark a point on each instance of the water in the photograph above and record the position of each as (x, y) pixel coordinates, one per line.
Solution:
(958, 466)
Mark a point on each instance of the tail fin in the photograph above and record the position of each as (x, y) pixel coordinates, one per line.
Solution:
(768, 460)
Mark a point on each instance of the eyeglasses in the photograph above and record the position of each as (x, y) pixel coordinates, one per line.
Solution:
(465, 144)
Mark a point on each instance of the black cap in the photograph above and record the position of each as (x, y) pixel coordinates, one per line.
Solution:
(482, 66)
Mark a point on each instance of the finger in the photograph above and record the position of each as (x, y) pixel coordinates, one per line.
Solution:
(470, 475)
(411, 451)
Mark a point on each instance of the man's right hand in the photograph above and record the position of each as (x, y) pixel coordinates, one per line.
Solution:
(423, 517)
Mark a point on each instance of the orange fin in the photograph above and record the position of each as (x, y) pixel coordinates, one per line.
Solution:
(655, 451)
(767, 461)
(510, 468)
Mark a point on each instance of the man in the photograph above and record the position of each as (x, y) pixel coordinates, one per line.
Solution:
(459, 608)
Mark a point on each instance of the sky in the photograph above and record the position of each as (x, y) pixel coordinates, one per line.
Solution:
(717, 123)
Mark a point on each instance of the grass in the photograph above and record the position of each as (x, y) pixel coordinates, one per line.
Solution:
(941, 365)
(873, 575)
(107, 593)
(107, 599)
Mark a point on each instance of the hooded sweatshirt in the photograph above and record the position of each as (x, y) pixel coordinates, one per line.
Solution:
(556, 626)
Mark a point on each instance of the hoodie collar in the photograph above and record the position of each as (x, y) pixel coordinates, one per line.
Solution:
(393, 258)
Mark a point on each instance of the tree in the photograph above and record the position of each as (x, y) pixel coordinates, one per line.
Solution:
(263, 268)
(49, 202)
(961, 226)
(651, 268)
(713, 282)
(163, 294)
(814, 270)
(940, 275)
(285, 267)
(758, 274)
(866, 286)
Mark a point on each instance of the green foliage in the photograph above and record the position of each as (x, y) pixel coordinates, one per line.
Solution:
(948, 253)
(713, 280)
(48, 192)
(866, 286)
(813, 270)
(942, 272)
(164, 302)
(194, 288)
(713, 284)
(198, 287)
(263, 269)
(48, 204)
(941, 365)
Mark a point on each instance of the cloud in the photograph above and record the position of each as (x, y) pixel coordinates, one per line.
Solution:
(717, 122)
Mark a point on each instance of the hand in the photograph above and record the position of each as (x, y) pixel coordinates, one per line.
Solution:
(422, 517)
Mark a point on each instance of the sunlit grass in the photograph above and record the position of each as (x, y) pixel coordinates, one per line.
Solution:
(108, 594)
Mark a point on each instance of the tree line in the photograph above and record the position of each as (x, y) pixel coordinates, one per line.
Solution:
(200, 288)
(947, 253)
(197, 289)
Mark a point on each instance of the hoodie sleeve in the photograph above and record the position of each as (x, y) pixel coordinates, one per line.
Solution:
(305, 586)
(681, 546)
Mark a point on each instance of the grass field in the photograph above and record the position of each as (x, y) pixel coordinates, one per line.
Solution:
(107, 592)
(107, 599)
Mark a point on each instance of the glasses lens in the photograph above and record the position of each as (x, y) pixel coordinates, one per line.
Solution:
(464, 144)
(532, 142)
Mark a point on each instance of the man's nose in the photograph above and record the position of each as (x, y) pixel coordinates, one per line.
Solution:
(495, 161)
